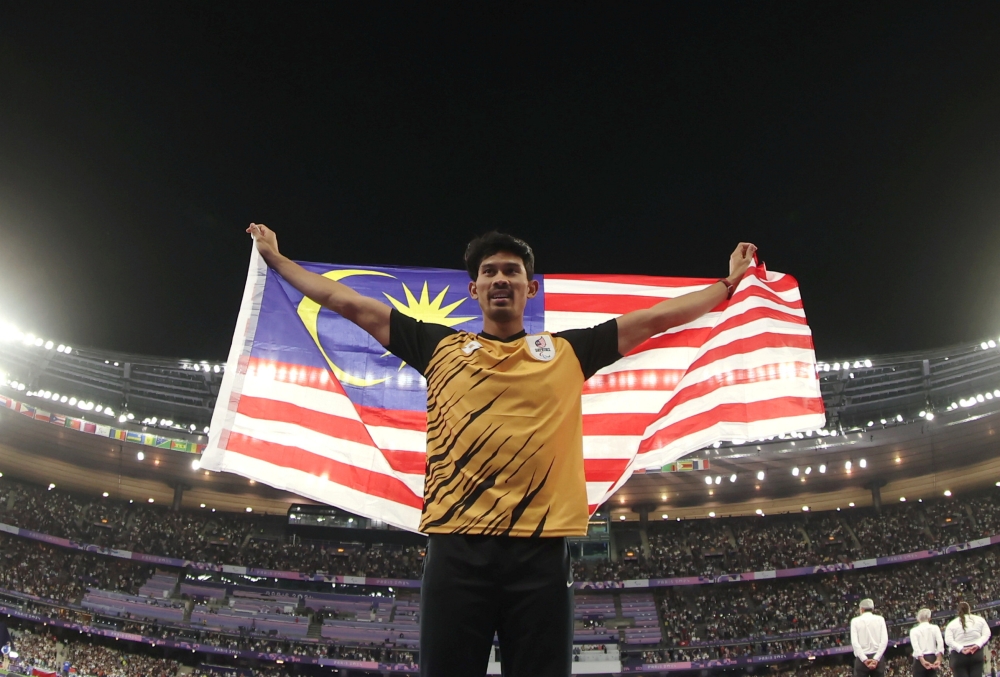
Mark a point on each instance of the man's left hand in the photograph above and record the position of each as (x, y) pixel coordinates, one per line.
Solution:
(740, 261)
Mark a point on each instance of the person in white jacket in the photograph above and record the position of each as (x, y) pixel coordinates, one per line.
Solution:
(966, 635)
(927, 645)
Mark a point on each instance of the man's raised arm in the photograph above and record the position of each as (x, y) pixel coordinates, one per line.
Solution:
(640, 325)
(367, 313)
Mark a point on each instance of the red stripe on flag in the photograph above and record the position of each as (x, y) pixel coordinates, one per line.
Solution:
(404, 419)
(736, 377)
(633, 379)
(619, 304)
(635, 279)
(317, 421)
(616, 424)
(697, 337)
(779, 407)
(604, 469)
(352, 477)
(407, 462)
(317, 378)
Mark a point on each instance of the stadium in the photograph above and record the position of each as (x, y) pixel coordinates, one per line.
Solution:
(119, 552)
(602, 339)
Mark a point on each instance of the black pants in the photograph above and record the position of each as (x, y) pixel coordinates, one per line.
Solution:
(475, 586)
(966, 665)
(920, 671)
(861, 670)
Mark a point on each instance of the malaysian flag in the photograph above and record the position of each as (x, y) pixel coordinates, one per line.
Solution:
(312, 404)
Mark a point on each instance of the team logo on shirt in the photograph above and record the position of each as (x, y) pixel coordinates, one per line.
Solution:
(471, 347)
(541, 347)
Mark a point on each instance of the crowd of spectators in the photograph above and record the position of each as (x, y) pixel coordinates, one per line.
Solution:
(56, 573)
(686, 548)
(736, 619)
(39, 649)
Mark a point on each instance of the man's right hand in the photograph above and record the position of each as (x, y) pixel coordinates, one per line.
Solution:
(871, 663)
(265, 240)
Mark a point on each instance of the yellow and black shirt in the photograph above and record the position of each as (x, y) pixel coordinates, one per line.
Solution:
(504, 426)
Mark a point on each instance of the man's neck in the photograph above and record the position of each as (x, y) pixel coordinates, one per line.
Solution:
(503, 330)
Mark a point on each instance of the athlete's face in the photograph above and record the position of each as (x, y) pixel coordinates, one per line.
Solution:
(503, 288)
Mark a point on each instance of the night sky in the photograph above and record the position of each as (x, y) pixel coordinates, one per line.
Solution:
(857, 146)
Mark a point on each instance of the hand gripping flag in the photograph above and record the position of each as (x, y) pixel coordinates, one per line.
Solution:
(312, 404)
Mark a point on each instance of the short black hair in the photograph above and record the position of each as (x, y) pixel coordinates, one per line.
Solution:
(491, 243)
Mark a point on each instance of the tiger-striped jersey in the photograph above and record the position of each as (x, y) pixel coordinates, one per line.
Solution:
(504, 426)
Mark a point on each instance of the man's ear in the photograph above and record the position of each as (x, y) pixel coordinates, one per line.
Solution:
(472, 289)
(532, 289)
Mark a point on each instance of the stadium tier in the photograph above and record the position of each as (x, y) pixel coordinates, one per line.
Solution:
(115, 543)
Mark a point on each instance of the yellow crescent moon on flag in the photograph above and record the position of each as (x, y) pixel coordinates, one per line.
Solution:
(308, 311)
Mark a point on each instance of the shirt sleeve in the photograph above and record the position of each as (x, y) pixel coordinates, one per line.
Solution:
(414, 341)
(855, 642)
(595, 348)
(883, 640)
(915, 641)
(985, 634)
(949, 637)
(938, 642)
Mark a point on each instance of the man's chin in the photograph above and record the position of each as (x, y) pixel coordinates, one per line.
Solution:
(502, 314)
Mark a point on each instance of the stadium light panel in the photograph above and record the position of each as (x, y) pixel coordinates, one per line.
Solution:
(711, 514)
(141, 456)
(51, 487)
(732, 478)
(69, 349)
(902, 499)
(49, 345)
(822, 468)
(805, 508)
(665, 515)
(868, 363)
(984, 345)
(882, 421)
(203, 505)
(991, 343)
(708, 480)
(850, 505)
(863, 463)
(150, 500)
(718, 479)
(930, 416)
(795, 472)
(947, 492)
(847, 466)
(759, 511)
(249, 509)
(809, 469)
(760, 475)
(105, 494)
(195, 464)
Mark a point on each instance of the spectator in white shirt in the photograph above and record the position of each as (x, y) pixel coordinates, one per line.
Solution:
(927, 645)
(966, 635)
(869, 638)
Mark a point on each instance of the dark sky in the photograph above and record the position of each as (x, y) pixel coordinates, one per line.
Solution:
(858, 146)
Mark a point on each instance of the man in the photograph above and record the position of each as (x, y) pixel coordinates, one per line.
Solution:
(927, 645)
(869, 637)
(504, 483)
